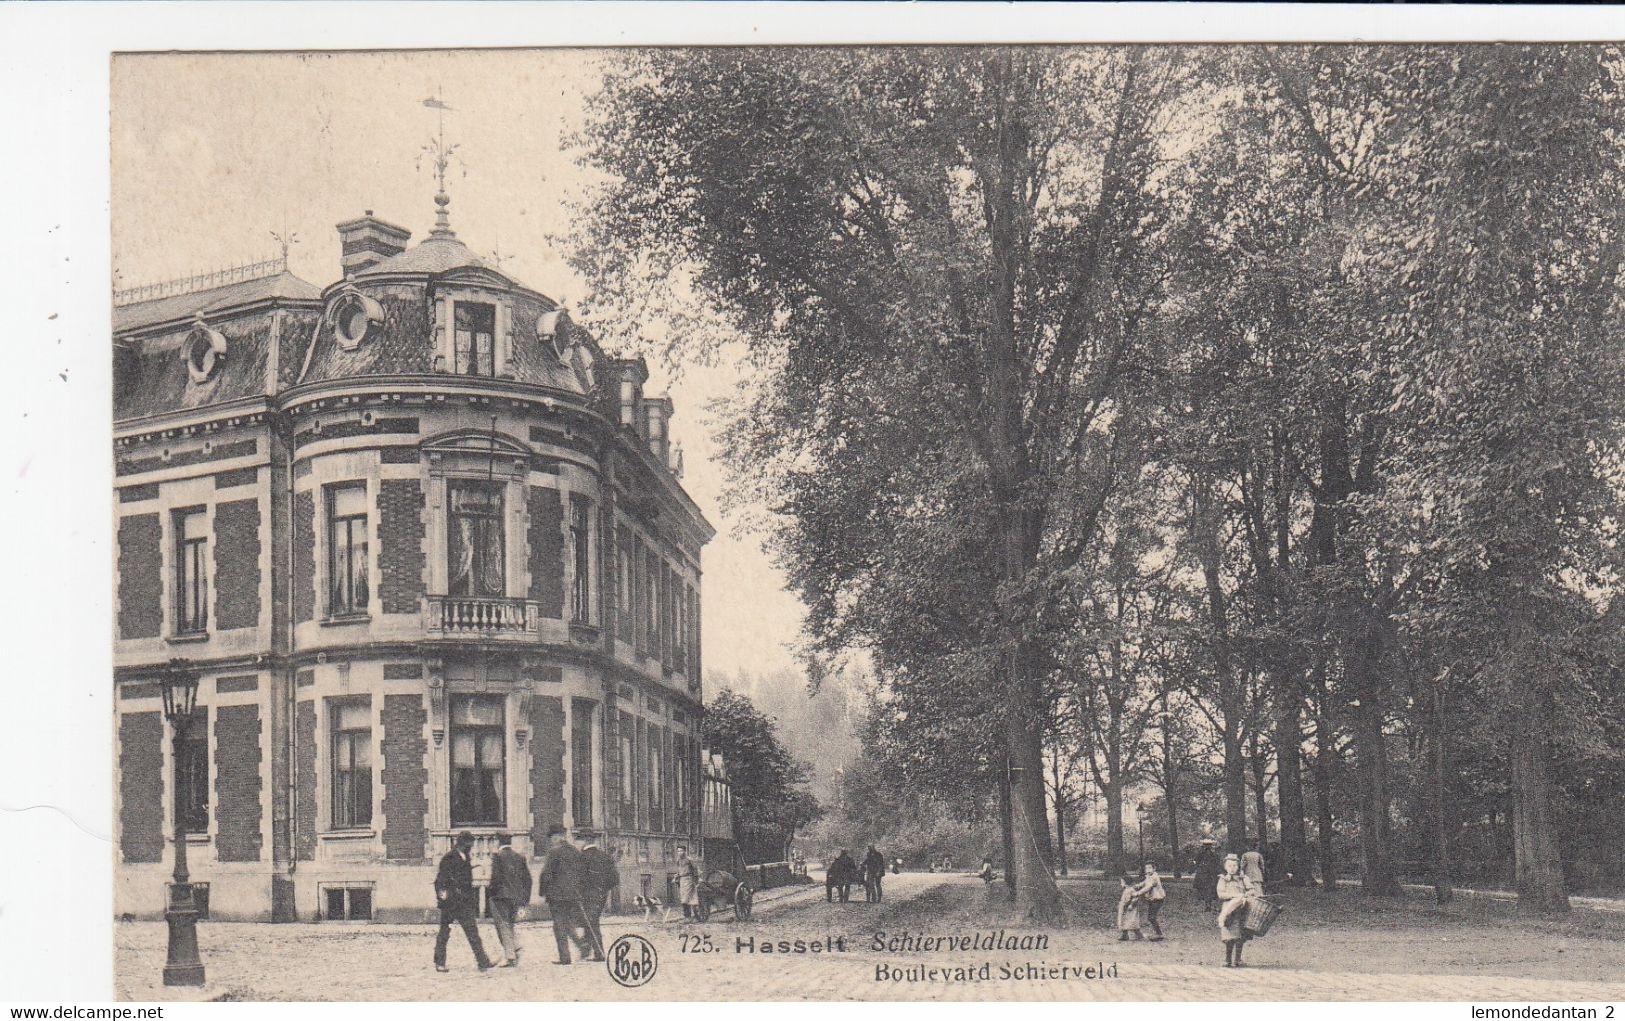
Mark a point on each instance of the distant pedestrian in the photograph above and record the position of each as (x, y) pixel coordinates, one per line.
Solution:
(896, 866)
(1151, 894)
(874, 870)
(599, 878)
(1234, 888)
(1252, 866)
(688, 878)
(509, 891)
(560, 884)
(1206, 877)
(1128, 909)
(454, 892)
(985, 873)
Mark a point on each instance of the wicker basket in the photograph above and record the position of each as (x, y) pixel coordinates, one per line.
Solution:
(1260, 915)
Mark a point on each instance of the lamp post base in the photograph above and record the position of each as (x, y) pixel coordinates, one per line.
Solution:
(183, 968)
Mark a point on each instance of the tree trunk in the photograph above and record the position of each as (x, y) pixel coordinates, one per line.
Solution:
(1537, 862)
(1261, 806)
(1005, 830)
(1113, 793)
(1060, 816)
(1289, 776)
(1173, 836)
(1443, 892)
(1235, 789)
(1378, 876)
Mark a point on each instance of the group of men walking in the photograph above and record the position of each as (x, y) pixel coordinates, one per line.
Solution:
(574, 883)
(842, 872)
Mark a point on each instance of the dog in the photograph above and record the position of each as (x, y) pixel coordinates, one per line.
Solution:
(650, 906)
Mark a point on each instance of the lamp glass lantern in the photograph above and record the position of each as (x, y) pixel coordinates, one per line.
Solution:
(180, 694)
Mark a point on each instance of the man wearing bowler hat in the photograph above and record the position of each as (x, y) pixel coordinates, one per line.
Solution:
(510, 891)
(454, 891)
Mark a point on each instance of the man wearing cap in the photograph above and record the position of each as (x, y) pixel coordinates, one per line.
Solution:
(598, 877)
(510, 890)
(454, 891)
(560, 884)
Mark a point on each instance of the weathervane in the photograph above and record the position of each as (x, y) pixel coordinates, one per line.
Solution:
(286, 239)
(441, 154)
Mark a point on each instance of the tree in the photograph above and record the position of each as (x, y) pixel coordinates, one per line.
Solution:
(769, 796)
(941, 257)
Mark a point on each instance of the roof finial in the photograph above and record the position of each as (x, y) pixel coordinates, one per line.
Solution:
(442, 155)
(286, 239)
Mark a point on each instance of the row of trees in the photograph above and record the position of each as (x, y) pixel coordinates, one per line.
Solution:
(1140, 408)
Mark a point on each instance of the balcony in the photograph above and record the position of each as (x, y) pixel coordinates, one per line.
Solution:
(474, 616)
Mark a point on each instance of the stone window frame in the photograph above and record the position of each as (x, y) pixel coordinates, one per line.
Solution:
(326, 491)
(341, 310)
(327, 748)
(444, 303)
(509, 468)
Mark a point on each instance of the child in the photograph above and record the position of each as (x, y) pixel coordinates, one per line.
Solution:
(1128, 909)
(1151, 891)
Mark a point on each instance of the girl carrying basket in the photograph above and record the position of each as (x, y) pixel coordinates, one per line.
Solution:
(1234, 887)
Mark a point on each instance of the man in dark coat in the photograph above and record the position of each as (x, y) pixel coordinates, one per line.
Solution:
(874, 869)
(454, 891)
(510, 890)
(561, 886)
(599, 877)
(1206, 879)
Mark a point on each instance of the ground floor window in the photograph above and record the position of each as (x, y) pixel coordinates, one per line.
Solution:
(478, 743)
(192, 774)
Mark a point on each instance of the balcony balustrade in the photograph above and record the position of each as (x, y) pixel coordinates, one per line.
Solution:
(484, 616)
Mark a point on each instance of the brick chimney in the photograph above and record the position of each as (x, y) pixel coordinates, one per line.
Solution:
(367, 241)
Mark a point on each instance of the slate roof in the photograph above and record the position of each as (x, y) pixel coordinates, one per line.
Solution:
(431, 255)
(139, 314)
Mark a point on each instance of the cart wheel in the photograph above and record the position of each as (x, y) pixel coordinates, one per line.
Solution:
(742, 901)
(702, 908)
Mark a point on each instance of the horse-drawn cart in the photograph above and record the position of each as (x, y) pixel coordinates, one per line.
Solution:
(719, 890)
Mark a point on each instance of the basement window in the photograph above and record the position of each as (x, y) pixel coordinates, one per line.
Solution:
(347, 903)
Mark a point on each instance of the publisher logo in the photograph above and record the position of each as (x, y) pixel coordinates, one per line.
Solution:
(632, 960)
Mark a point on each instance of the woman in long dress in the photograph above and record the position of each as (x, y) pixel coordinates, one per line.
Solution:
(1233, 889)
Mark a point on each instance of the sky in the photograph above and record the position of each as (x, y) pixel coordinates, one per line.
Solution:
(213, 154)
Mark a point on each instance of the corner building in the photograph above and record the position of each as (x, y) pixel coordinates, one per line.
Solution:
(427, 548)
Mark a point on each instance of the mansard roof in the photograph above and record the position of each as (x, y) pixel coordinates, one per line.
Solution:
(137, 315)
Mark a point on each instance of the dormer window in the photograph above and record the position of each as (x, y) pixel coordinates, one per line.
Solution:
(474, 338)
(205, 352)
(354, 318)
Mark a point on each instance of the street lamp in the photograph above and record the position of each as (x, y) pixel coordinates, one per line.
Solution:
(1139, 810)
(183, 968)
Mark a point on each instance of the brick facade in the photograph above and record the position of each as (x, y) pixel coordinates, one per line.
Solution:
(237, 564)
(546, 538)
(304, 556)
(400, 544)
(405, 777)
(546, 765)
(140, 576)
(304, 781)
(237, 786)
(141, 786)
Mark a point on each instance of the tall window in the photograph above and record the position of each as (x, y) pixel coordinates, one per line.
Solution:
(477, 746)
(352, 764)
(627, 774)
(581, 761)
(191, 584)
(475, 339)
(623, 587)
(192, 773)
(474, 542)
(347, 588)
(651, 599)
(581, 547)
(655, 786)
